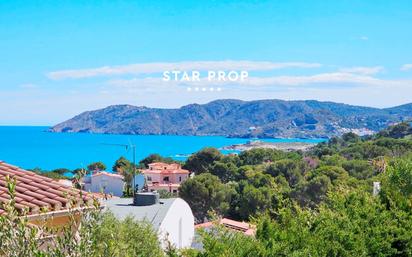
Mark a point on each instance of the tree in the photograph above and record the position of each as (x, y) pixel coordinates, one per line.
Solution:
(397, 185)
(121, 165)
(261, 155)
(96, 166)
(400, 130)
(350, 137)
(61, 171)
(204, 193)
(290, 169)
(358, 168)
(332, 172)
(154, 158)
(202, 161)
(400, 176)
(311, 193)
(225, 171)
(253, 200)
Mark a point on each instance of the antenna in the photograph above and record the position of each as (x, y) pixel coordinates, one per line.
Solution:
(127, 147)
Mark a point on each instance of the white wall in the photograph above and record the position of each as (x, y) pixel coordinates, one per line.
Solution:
(106, 184)
(178, 224)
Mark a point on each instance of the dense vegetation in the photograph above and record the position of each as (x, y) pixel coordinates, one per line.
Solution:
(316, 203)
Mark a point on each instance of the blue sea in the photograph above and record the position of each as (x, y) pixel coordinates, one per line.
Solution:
(31, 147)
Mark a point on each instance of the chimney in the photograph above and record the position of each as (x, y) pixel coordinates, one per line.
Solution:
(146, 198)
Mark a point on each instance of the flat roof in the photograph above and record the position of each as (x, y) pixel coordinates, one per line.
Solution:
(123, 207)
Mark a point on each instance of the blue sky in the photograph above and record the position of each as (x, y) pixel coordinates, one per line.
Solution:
(356, 52)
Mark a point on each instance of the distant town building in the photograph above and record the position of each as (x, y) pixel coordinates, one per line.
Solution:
(172, 218)
(165, 176)
(104, 182)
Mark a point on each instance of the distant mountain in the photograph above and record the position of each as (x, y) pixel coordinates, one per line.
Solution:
(235, 118)
(402, 110)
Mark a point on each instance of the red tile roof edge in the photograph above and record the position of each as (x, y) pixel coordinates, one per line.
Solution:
(34, 191)
(239, 226)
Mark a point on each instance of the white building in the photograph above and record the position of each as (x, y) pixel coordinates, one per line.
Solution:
(172, 218)
(104, 182)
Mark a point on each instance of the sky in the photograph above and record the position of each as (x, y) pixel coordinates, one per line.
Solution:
(60, 58)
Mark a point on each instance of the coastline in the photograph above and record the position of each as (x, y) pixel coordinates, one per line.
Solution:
(283, 146)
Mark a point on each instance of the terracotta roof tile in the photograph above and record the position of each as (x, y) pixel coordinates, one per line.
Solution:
(233, 225)
(40, 203)
(22, 187)
(34, 191)
(24, 197)
(23, 180)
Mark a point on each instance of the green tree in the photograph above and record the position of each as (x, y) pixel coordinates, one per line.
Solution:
(205, 193)
(350, 137)
(254, 200)
(358, 168)
(225, 171)
(203, 160)
(311, 193)
(261, 155)
(154, 158)
(61, 171)
(121, 165)
(290, 169)
(96, 166)
(400, 130)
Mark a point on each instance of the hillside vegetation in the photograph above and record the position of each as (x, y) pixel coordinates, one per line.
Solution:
(235, 118)
(316, 203)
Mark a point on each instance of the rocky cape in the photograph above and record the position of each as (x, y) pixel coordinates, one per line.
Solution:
(236, 118)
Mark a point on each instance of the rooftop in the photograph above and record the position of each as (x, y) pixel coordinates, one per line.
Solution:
(164, 168)
(123, 207)
(100, 173)
(35, 192)
(234, 225)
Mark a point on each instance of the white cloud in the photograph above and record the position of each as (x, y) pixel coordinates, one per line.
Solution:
(364, 38)
(148, 68)
(363, 70)
(406, 67)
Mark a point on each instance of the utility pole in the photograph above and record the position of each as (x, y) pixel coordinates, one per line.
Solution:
(133, 147)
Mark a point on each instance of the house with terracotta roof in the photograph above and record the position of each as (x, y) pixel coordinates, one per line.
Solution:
(104, 182)
(166, 176)
(233, 225)
(44, 201)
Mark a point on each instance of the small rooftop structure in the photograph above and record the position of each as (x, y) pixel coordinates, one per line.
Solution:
(172, 218)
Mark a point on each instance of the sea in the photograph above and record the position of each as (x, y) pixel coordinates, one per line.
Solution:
(33, 147)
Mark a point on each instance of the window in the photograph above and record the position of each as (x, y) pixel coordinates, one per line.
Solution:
(149, 178)
(166, 179)
(180, 179)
